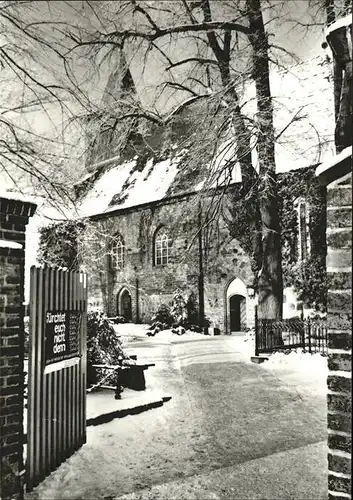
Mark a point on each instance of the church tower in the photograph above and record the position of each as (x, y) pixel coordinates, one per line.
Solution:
(108, 131)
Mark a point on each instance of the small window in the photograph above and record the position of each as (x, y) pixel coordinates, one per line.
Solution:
(117, 253)
(161, 248)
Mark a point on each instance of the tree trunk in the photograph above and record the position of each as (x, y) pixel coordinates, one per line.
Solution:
(222, 54)
(270, 283)
(201, 283)
(342, 80)
(270, 286)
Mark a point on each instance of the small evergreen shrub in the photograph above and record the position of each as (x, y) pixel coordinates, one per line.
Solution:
(103, 344)
(182, 313)
(179, 310)
(163, 316)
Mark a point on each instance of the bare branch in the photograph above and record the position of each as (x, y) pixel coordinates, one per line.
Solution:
(117, 37)
(199, 60)
(179, 86)
(138, 8)
(294, 119)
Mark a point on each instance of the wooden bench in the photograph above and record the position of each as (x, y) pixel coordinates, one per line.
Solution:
(129, 376)
(134, 378)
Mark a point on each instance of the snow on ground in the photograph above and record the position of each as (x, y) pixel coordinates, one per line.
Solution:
(311, 364)
(246, 344)
(93, 468)
(306, 372)
(131, 332)
(301, 364)
(169, 335)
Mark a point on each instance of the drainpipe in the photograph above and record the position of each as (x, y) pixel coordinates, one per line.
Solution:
(201, 274)
(137, 297)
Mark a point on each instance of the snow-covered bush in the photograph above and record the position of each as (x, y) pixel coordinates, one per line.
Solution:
(118, 319)
(179, 307)
(182, 315)
(103, 344)
(163, 316)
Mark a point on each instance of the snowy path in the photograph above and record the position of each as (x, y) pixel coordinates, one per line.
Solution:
(225, 414)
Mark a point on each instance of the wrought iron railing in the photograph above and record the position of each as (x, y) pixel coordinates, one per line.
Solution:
(273, 335)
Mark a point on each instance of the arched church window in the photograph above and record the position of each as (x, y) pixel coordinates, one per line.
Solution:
(303, 229)
(117, 252)
(161, 247)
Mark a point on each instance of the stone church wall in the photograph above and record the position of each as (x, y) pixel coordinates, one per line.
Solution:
(150, 285)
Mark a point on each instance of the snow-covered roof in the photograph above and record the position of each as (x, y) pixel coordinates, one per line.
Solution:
(129, 184)
(124, 186)
(304, 126)
(335, 160)
(340, 23)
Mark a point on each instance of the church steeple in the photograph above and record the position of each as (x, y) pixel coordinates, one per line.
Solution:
(120, 85)
(118, 98)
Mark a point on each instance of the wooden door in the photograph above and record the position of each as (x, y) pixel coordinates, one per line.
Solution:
(126, 309)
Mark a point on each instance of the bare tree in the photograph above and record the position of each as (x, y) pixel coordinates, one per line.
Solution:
(200, 57)
(342, 70)
(37, 102)
(83, 245)
(213, 75)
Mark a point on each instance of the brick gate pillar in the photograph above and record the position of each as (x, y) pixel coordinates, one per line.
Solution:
(339, 307)
(14, 216)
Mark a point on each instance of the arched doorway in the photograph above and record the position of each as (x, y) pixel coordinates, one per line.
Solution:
(124, 304)
(236, 305)
(237, 313)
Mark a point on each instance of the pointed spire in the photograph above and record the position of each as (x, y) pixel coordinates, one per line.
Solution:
(120, 83)
(118, 97)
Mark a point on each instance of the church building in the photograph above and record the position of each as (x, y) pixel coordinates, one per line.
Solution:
(161, 217)
(152, 230)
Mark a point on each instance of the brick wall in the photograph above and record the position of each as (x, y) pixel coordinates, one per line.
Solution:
(14, 215)
(339, 382)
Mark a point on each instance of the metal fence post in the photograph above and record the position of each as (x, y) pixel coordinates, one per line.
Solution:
(302, 333)
(256, 333)
(326, 339)
(309, 335)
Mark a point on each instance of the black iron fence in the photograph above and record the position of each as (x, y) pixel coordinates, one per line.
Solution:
(273, 335)
(316, 336)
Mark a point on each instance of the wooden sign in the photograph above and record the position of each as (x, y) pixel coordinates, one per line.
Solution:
(62, 335)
